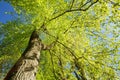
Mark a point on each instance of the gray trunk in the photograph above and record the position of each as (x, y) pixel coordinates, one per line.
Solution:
(27, 65)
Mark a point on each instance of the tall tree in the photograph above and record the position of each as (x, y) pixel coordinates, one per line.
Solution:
(88, 38)
(26, 67)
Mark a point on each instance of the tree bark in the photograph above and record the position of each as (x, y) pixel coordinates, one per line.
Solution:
(26, 66)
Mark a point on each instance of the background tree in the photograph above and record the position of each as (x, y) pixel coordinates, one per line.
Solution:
(88, 38)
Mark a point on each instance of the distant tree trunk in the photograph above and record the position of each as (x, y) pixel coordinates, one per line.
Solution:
(26, 67)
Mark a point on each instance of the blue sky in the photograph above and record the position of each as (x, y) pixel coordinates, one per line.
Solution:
(7, 12)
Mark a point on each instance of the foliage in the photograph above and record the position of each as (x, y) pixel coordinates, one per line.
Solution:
(88, 31)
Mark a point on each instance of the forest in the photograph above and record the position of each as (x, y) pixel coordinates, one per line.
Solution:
(61, 40)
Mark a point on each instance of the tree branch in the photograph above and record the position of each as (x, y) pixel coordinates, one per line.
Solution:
(85, 4)
(52, 65)
(70, 27)
(114, 3)
(80, 9)
(72, 10)
(72, 4)
(80, 69)
(48, 47)
(72, 53)
(77, 76)
(67, 11)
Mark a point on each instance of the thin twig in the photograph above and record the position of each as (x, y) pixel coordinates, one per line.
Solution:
(53, 64)
(77, 75)
(72, 53)
(69, 27)
(72, 4)
(85, 4)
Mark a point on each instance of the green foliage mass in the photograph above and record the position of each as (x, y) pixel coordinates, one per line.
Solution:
(88, 38)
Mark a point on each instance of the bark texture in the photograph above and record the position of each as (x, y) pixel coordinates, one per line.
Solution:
(26, 67)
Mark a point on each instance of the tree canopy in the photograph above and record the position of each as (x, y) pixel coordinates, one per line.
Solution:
(88, 45)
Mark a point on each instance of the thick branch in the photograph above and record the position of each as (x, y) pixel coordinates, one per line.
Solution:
(78, 9)
(70, 10)
(48, 47)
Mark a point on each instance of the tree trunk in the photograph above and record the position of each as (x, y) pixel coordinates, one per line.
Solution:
(26, 67)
